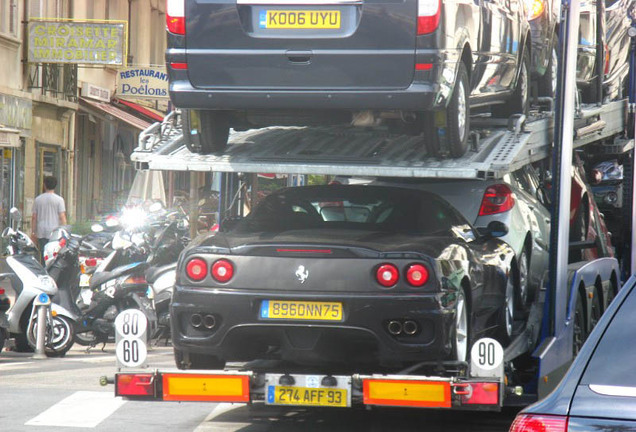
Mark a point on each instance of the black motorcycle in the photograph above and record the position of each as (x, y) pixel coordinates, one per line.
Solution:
(119, 288)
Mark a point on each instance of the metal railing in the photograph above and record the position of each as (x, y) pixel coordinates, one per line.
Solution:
(56, 80)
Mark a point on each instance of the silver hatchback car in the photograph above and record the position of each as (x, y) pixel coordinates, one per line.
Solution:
(516, 200)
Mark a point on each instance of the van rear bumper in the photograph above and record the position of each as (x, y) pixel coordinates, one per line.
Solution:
(417, 97)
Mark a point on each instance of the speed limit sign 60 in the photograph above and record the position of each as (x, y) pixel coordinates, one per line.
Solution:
(131, 326)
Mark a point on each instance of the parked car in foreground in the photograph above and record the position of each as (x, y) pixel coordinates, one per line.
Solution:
(415, 64)
(598, 393)
(342, 278)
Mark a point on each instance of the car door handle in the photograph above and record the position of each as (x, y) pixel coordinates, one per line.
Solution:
(299, 57)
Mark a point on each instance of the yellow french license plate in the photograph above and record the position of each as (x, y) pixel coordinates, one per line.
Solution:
(283, 395)
(301, 310)
(299, 19)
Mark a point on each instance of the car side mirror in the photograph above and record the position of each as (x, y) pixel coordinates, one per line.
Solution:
(496, 229)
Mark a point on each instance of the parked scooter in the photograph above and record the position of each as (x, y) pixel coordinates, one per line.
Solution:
(23, 279)
(4, 321)
(113, 290)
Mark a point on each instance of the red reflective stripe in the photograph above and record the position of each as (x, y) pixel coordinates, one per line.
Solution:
(179, 65)
(423, 66)
(325, 251)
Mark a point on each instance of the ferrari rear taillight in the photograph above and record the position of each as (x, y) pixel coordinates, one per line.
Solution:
(539, 423)
(428, 13)
(222, 270)
(416, 275)
(196, 269)
(498, 198)
(387, 275)
(175, 16)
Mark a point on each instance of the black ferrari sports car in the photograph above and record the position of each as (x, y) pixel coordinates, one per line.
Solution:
(343, 277)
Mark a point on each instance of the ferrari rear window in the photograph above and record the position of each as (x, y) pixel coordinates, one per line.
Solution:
(352, 207)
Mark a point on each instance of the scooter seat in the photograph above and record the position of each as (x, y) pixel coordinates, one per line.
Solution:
(99, 278)
(153, 273)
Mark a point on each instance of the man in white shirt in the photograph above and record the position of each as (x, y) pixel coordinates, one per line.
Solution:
(49, 212)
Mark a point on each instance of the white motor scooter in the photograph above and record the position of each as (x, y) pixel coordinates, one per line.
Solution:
(23, 279)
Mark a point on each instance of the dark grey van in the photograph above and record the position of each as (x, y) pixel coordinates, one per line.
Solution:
(415, 65)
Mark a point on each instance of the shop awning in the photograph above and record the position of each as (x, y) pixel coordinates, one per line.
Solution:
(148, 112)
(119, 114)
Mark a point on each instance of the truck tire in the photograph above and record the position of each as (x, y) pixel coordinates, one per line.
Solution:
(458, 114)
(215, 130)
(188, 360)
(579, 329)
(518, 102)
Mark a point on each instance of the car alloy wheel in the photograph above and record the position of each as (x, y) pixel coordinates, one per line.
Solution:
(523, 291)
(509, 306)
(461, 328)
(458, 115)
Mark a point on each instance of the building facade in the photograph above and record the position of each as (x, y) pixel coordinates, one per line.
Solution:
(66, 119)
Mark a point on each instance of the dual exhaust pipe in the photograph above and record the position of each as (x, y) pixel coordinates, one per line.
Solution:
(199, 321)
(406, 327)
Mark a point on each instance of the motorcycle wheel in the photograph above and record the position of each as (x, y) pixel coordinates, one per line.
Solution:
(2, 338)
(60, 337)
(86, 338)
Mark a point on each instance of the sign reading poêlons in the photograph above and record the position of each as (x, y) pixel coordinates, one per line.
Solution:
(142, 82)
(77, 42)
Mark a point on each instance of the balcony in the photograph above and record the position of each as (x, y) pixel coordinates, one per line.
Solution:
(54, 80)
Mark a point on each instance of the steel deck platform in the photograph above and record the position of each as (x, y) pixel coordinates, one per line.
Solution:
(499, 149)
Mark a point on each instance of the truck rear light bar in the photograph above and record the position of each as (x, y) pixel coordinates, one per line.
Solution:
(379, 390)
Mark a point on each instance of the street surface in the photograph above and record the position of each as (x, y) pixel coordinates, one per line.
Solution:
(64, 395)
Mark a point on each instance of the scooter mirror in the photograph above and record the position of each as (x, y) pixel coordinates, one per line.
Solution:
(16, 216)
(97, 228)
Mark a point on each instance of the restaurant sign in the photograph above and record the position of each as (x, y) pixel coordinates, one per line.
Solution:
(77, 42)
(142, 82)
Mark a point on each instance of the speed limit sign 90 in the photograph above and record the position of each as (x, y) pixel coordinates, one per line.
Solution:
(486, 357)
(130, 337)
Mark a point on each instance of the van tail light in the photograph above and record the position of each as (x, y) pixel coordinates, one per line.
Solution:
(196, 269)
(175, 16)
(222, 270)
(387, 275)
(428, 13)
(539, 423)
(498, 198)
(417, 275)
